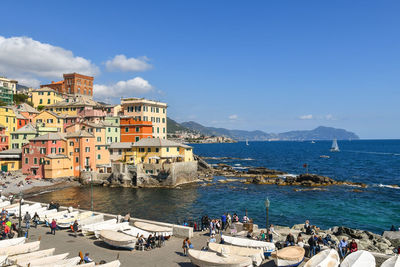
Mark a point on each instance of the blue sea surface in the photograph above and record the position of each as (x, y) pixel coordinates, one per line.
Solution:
(373, 162)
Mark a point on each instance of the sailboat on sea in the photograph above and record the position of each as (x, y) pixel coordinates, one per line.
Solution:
(335, 147)
(247, 142)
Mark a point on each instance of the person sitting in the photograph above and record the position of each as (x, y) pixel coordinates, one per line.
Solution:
(300, 241)
(212, 239)
(262, 236)
(245, 219)
(250, 233)
(87, 259)
(290, 240)
(353, 246)
(343, 248)
(127, 217)
(393, 229)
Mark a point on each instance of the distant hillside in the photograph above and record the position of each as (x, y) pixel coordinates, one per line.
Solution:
(319, 133)
(173, 126)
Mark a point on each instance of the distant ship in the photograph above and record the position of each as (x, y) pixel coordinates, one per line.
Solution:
(312, 142)
(335, 147)
(247, 142)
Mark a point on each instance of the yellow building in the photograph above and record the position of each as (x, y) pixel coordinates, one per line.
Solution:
(78, 105)
(158, 151)
(8, 119)
(10, 160)
(45, 96)
(147, 110)
(50, 119)
(58, 165)
(121, 151)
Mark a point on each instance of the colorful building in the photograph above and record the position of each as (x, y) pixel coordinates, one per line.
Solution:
(50, 119)
(113, 134)
(78, 105)
(8, 119)
(81, 150)
(158, 151)
(58, 166)
(133, 130)
(35, 152)
(45, 96)
(10, 160)
(7, 90)
(22, 136)
(4, 142)
(27, 111)
(149, 111)
(73, 83)
(121, 152)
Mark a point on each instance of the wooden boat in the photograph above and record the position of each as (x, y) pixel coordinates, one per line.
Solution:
(392, 262)
(20, 249)
(118, 239)
(89, 229)
(12, 242)
(46, 261)
(33, 255)
(326, 258)
(153, 228)
(256, 255)
(288, 256)
(206, 258)
(359, 258)
(113, 227)
(268, 247)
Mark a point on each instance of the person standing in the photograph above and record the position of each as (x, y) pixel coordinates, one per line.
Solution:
(53, 226)
(228, 221)
(35, 219)
(313, 244)
(185, 246)
(223, 221)
(75, 227)
(27, 220)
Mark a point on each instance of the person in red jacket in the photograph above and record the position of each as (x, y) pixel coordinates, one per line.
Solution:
(353, 246)
(53, 226)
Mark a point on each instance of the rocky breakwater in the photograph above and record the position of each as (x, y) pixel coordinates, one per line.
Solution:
(309, 180)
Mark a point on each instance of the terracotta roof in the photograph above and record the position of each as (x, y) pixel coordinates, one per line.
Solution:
(121, 145)
(81, 133)
(28, 128)
(158, 142)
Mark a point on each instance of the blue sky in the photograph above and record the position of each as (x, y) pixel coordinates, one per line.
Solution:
(267, 65)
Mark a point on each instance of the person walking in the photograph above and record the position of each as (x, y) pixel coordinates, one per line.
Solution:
(27, 220)
(53, 226)
(186, 246)
(75, 227)
(36, 219)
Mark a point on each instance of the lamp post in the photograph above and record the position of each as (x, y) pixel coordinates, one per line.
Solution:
(267, 210)
(91, 193)
(20, 216)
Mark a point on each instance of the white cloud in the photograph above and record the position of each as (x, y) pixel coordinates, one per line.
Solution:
(122, 63)
(127, 88)
(306, 117)
(27, 81)
(233, 117)
(29, 59)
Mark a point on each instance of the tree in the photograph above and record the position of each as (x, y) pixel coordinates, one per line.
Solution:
(40, 108)
(21, 98)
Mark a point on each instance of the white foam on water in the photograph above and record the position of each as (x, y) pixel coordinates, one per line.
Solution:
(388, 186)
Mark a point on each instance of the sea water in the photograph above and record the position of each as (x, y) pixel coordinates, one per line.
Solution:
(373, 162)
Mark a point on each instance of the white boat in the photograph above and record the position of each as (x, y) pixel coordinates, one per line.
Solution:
(67, 262)
(268, 247)
(153, 228)
(12, 242)
(112, 227)
(134, 231)
(67, 222)
(288, 256)
(43, 214)
(13, 209)
(247, 142)
(20, 249)
(4, 203)
(29, 209)
(92, 219)
(118, 239)
(90, 264)
(115, 263)
(89, 229)
(62, 217)
(326, 258)
(392, 262)
(3, 260)
(33, 255)
(335, 147)
(53, 215)
(46, 261)
(206, 258)
(32, 212)
(256, 255)
(359, 258)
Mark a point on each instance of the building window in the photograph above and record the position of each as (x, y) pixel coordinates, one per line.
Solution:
(53, 150)
(48, 101)
(54, 142)
(76, 149)
(99, 148)
(35, 161)
(87, 149)
(164, 130)
(26, 160)
(98, 156)
(109, 130)
(149, 149)
(158, 130)
(76, 159)
(119, 151)
(116, 130)
(167, 149)
(137, 129)
(60, 150)
(71, 143)
(98, 139)
(157, 149)
(137, 139)
(41, 101)
(98, 130)
(42, 150)
(126, 129)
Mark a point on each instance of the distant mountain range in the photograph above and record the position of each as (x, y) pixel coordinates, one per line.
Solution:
(319, 133)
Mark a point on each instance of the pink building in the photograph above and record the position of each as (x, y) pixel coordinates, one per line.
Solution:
(34, 153)
(3, 138)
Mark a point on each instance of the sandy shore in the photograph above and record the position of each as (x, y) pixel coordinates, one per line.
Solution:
(16, 183)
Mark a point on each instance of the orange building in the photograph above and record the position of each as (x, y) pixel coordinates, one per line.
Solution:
(81, 149)
(73, 83)
(133, 130)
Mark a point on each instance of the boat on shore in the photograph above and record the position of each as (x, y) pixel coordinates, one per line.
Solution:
(153, 228)
(115, 263)
(20, 249)
(33, 255)
(326, 258)
(392, 262)
(268, 247)
(67, 222)
(359, 258)
(206, 259)
(113, 227)
(45, 261)
(118, 239)
(288, 256)
(256, 255)
(89, 229)
(12, 242)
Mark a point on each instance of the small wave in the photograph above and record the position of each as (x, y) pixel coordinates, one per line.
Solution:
(373, 152)
(247, 159)
(240, 168)
(238, 164)
(393, 186)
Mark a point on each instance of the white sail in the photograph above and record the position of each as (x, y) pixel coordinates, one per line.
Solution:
(335, 147)
(247, 142)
